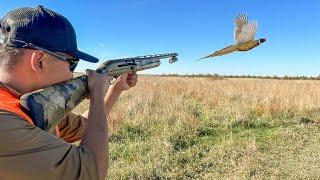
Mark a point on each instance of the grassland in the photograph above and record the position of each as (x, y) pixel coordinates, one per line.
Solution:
(207, 128)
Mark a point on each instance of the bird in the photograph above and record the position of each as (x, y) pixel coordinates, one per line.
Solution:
(244, 35)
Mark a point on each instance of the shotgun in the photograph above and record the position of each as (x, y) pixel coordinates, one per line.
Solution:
(47, 106)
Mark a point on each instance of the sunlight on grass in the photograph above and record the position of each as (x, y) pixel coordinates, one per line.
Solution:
(207, 128)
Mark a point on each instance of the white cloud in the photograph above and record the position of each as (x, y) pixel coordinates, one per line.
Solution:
(101, 45)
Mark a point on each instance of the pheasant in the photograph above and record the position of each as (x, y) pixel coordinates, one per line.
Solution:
(243, 35)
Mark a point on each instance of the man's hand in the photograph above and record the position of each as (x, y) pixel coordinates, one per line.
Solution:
(97, 83)
(125, 82)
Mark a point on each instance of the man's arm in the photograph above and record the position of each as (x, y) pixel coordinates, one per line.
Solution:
(96, 134)
(72, 128)
(27, 152)
(124, 82)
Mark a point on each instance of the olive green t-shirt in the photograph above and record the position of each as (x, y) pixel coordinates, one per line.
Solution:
(27, 152)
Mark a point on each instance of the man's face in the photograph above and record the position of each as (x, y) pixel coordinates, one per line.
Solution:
(57, 70)
(51, 70)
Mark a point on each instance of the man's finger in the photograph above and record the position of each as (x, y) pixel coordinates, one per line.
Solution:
(135, 77)
(132, 83)
(132, 74)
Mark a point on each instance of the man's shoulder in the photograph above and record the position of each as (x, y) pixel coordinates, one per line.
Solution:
(10, 119)
(6, 114)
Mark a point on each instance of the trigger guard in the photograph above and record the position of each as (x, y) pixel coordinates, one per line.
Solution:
(113, 80)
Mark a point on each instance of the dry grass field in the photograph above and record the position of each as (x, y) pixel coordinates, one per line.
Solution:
(206, 128)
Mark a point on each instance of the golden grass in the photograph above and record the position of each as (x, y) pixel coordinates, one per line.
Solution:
(206, 128)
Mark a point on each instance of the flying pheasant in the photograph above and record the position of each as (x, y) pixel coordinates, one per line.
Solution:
(243, 35)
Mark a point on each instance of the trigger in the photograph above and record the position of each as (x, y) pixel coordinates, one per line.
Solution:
(113, 80)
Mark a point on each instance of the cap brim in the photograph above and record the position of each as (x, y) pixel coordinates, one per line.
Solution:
(85, 56)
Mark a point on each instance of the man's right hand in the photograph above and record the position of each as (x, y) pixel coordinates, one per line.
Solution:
(98, 84)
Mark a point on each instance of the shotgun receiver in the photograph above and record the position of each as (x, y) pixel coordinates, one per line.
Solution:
(48, 106)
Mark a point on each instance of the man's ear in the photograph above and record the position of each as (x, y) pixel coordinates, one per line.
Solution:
(37, 60)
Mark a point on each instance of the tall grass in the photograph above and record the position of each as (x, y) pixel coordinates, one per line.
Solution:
(208, 128)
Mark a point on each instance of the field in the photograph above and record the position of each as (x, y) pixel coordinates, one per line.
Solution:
(208, 128)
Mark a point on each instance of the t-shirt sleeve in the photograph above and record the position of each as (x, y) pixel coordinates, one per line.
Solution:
(27, 152)
(72, 127)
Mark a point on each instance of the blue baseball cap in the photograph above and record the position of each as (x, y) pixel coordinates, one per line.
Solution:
(43, 28)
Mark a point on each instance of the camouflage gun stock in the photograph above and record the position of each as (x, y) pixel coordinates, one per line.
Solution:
(49, 105)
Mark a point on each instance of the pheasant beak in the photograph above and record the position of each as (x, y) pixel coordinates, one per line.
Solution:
(262, 40)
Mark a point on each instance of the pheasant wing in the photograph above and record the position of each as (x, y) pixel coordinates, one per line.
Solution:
(240, 21)
(248, 32)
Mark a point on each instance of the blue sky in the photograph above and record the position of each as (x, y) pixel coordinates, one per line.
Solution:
(123, 28)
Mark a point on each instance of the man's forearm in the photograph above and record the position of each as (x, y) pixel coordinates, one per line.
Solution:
(96, 135)
(111, 98)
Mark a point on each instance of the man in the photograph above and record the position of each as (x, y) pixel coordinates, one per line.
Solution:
(39, 49)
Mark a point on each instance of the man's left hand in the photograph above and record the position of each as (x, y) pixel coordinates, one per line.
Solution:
(125, 81)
